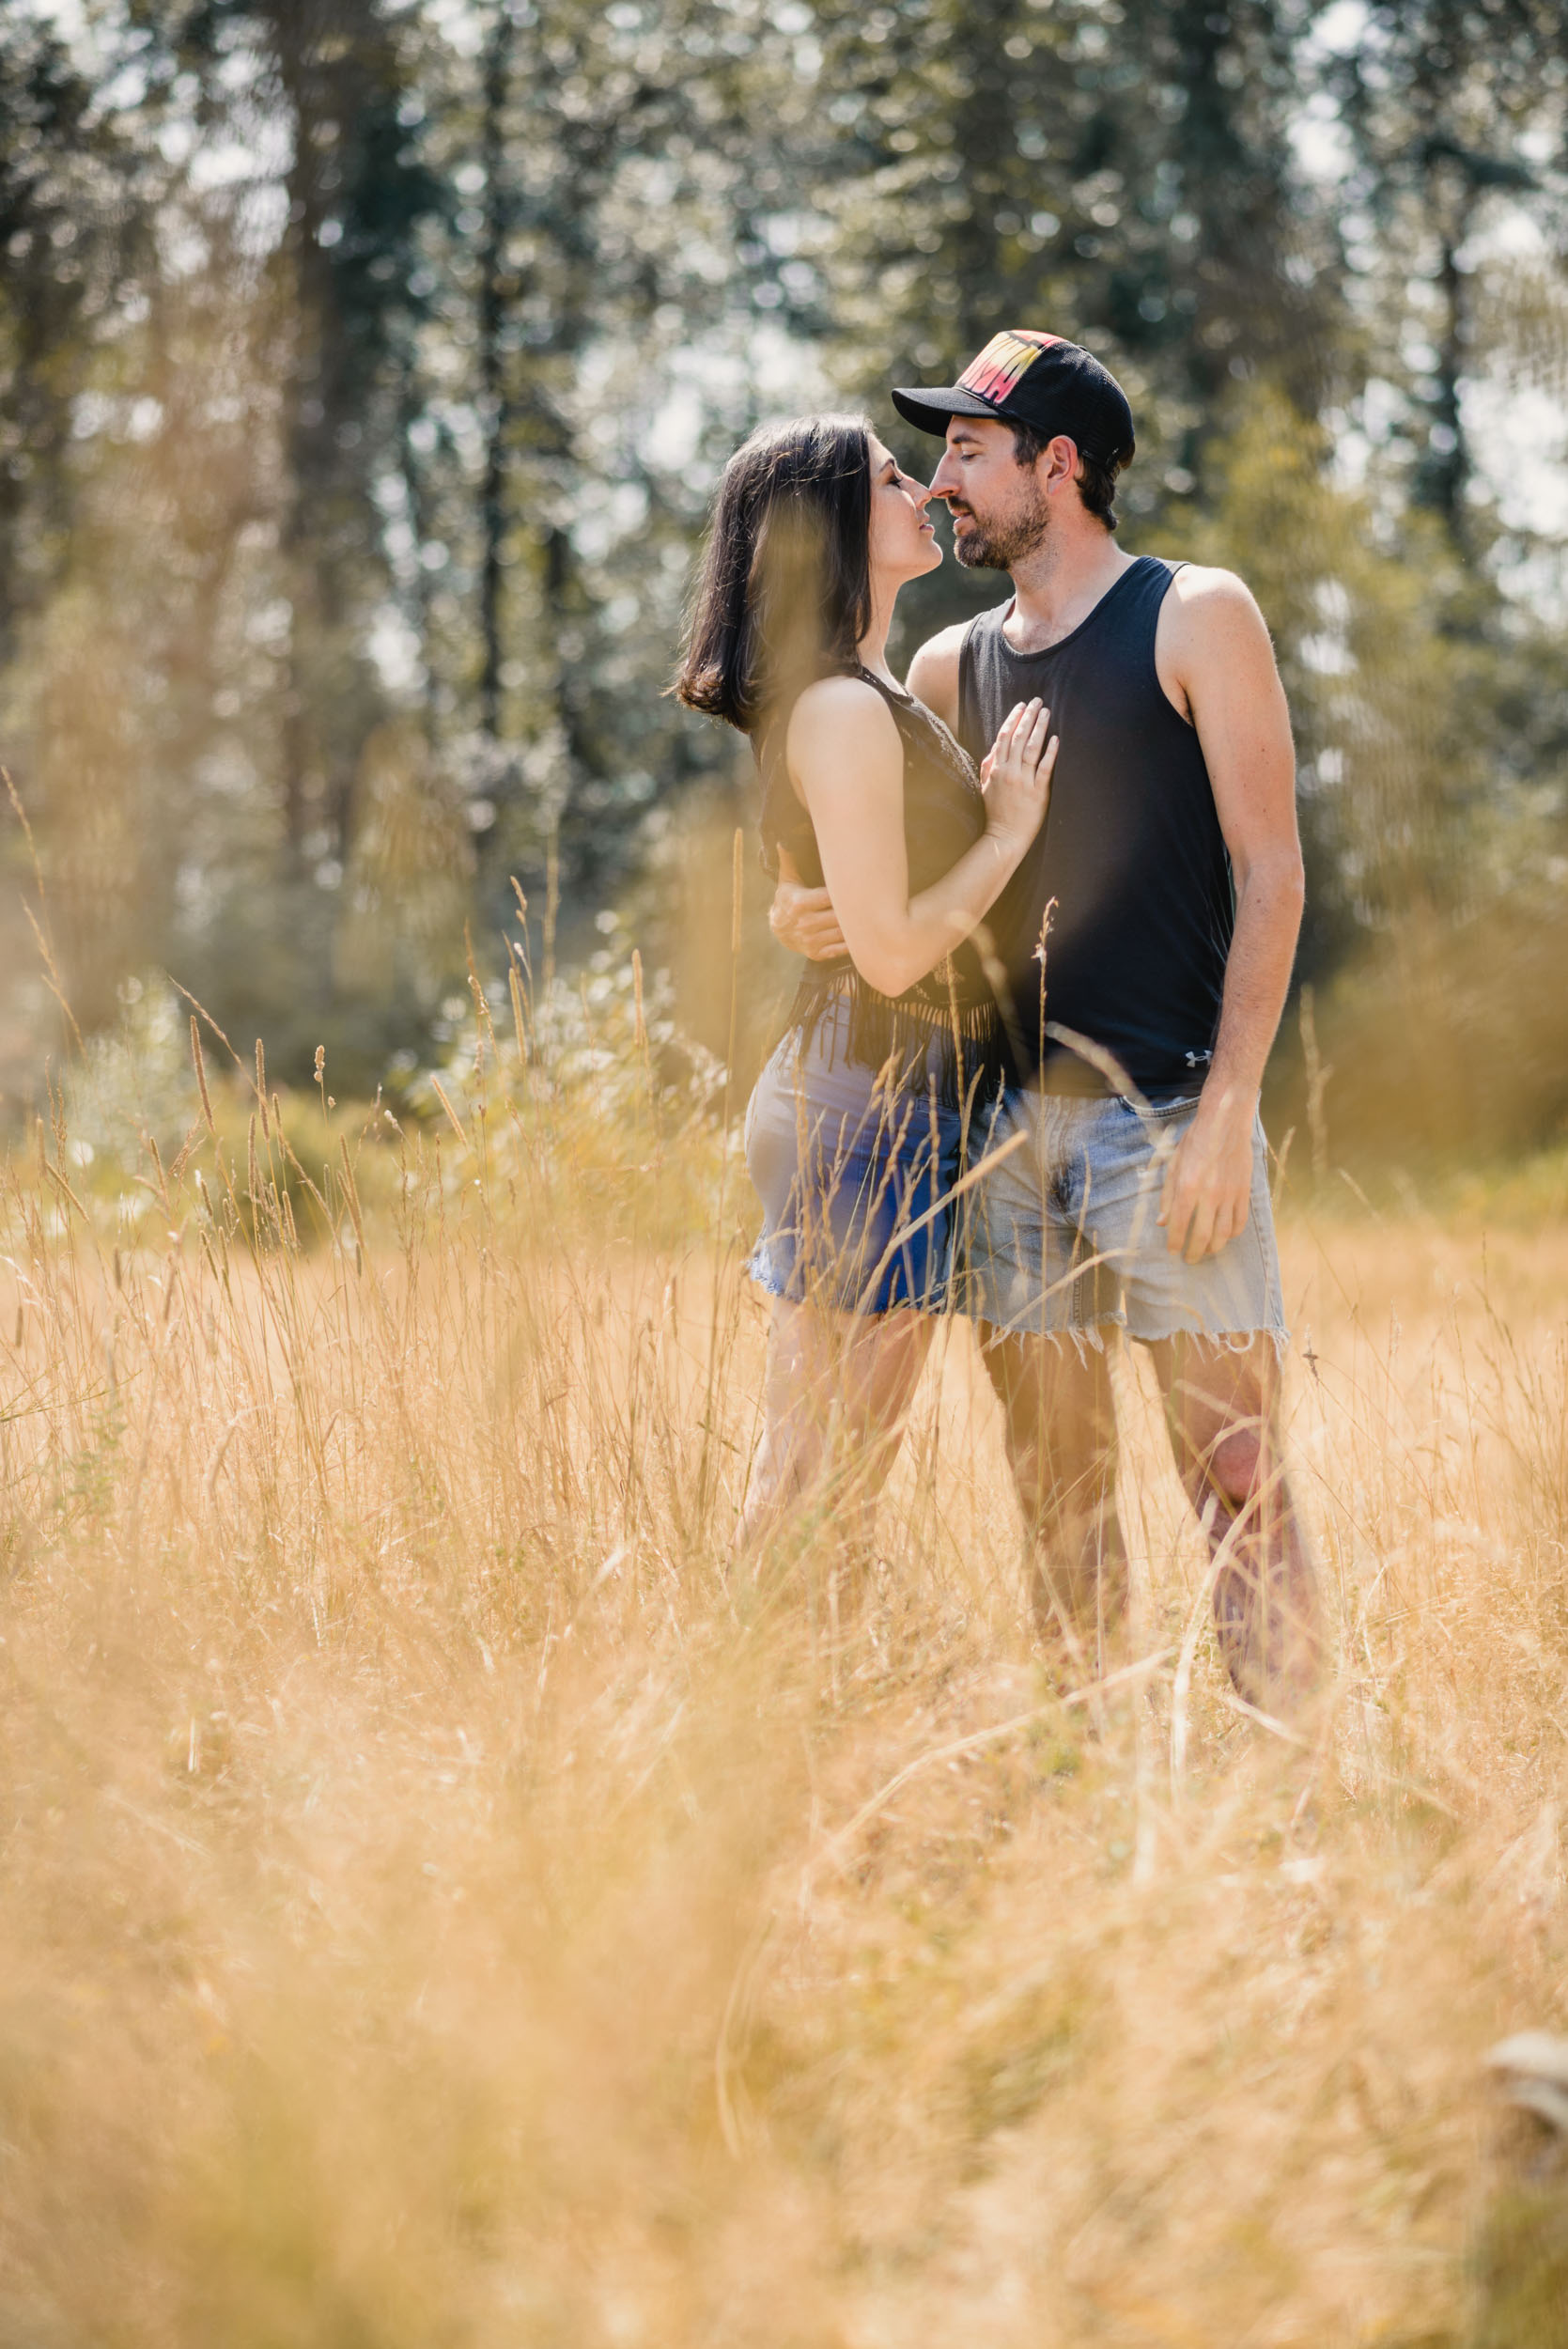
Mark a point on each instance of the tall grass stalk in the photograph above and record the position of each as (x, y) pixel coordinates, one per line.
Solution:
(438, 1909)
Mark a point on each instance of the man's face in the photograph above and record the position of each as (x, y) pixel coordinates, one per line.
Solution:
(999, 512)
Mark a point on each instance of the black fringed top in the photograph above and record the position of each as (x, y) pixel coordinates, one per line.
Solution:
(952, 1007)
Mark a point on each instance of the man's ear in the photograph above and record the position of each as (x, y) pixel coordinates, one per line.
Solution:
(1060, 462)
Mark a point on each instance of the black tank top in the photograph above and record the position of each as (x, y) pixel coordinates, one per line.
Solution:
(953, 1008)
(1131, 863)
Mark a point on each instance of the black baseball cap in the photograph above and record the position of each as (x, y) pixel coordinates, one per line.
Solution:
(1037, 379)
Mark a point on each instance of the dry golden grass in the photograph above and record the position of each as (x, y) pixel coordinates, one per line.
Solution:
(441, 1907)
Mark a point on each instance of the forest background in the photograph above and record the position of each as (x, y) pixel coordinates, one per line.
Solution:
(450, 1898)
(365, 370)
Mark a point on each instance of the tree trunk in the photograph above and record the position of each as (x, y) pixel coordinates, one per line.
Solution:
(495, 406)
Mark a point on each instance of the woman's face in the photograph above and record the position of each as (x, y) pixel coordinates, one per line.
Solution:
(903, 542)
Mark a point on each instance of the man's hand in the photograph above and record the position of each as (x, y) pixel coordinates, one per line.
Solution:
(1208, 1182)
(803, 918)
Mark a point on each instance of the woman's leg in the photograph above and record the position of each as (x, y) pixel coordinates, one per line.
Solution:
(837, 1390)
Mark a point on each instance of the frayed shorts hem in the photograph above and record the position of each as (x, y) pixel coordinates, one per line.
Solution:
(1094, 1336)
(790, 1286)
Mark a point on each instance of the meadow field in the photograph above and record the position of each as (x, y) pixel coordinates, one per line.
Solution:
(445, 1902)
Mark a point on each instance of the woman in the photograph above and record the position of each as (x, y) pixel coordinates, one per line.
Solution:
(855, 1131)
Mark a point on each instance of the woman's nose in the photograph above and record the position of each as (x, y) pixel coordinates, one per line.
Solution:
(920, 491)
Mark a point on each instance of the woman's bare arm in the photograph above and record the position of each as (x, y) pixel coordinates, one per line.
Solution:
(803, 918)
(846, 761)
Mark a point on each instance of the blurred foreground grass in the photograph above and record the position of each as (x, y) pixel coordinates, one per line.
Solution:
(440, 1906)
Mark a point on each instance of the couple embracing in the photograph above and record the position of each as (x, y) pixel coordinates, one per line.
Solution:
(1048, 894)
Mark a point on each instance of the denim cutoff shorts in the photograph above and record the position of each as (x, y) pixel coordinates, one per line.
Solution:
(852, 1169)
(1061, 1236)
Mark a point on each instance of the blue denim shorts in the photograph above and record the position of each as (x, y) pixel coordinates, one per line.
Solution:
(1061, 1235)
(852, 1171)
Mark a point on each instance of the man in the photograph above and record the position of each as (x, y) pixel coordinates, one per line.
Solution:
(1145, 950)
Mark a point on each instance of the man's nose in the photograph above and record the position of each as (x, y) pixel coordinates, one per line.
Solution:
(940, 487)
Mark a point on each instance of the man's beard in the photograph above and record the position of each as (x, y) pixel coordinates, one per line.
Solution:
(1004, 544)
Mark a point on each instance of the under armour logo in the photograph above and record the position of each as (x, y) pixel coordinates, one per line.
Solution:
(1199, 1060)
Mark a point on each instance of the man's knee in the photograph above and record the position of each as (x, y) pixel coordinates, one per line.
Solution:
(1232, 1468)
(1236, 1466)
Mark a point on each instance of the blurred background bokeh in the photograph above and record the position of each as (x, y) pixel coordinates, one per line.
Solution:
(365, 367)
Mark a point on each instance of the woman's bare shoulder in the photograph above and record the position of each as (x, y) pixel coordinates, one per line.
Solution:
(841, 697)
(841, 730)
(840, 707)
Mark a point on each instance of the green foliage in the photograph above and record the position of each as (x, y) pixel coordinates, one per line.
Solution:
(366, 369)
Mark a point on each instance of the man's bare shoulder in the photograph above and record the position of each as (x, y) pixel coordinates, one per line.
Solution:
(1203, 595)
(947, 643)
(933, 676)
(1210, 630)
(1209, 619)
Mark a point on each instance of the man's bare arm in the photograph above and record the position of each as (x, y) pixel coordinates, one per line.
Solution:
(1215, 652)
(803, 918)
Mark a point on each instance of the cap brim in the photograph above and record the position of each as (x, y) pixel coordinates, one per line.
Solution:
(929, 412)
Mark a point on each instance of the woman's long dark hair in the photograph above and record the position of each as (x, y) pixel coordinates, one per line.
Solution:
(784, 595)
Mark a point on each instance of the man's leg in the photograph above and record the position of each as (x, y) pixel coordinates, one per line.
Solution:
(1222, 1409)
(1061, 1427)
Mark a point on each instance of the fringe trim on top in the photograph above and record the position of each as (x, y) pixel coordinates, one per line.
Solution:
(962, 1045)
